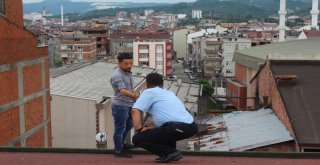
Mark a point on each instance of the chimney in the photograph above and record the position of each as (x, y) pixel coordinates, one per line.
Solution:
(282, 20)
(62, 21)
(314, 14)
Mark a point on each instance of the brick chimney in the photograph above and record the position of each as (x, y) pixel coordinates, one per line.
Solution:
(13, 11)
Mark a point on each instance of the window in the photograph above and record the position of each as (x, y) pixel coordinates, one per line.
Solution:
(80, 56)
(143, 55)
(143, 46)
(80, 48)
(69, 47)
(159, 55)
(70, 55)
(63, 47)
(144, 63)
(121, 44)
(2, 7)
(159, 62)
(229, 71)
(159, 48)
(130, 45)
(237, 47)
(229, 63)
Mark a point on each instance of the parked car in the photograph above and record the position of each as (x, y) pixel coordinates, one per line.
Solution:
(192, 77)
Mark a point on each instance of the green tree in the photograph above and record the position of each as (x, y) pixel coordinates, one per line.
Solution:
(58, 63)
(207, 89)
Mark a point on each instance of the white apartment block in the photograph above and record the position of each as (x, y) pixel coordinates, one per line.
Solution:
(229, 47)
(196, 14)
(156, 55)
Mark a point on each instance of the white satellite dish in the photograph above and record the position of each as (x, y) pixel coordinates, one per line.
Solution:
(101, 137)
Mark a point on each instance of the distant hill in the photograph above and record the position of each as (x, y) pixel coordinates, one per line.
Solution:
(53, 6)
(231, 10)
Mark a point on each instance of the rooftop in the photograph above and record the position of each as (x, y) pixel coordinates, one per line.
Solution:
(290, 50)
(186, 92)
(245, 158)
(301, 99)
(90, 81)
(242, 131)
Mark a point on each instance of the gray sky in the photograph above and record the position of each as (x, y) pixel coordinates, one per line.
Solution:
(164, 1)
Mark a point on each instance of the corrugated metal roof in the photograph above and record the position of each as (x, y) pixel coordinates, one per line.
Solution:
(290, 50)
(91, 82)
(240, 131)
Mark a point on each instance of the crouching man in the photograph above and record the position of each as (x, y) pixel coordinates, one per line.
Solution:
(173, 122)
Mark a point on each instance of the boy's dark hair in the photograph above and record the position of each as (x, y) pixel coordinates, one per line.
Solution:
(124, 56)
(154, 79)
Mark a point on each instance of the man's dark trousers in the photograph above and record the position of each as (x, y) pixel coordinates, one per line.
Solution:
(162, 141)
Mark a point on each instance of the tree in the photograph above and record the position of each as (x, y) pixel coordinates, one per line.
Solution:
(207, 89)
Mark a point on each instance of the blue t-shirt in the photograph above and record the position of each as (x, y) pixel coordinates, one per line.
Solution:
(163, 105)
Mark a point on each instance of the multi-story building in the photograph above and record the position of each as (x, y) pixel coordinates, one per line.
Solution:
(156, 55)
(102, 34)
(196, 14)
(25, 115)
(180, 43)
(211, 50)
(123, 42)
(229, 46)
(78, 48)
(195, 55)
(54, 50)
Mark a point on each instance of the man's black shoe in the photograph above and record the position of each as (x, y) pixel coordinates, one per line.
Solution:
(128, 147)
(122, 155)
(175, 156)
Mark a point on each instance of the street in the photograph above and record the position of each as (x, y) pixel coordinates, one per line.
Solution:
(178, 70)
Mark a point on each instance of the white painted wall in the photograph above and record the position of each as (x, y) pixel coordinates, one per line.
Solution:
(229, 47)
(73, 122)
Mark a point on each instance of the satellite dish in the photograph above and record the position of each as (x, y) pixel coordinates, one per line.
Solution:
(101, 137)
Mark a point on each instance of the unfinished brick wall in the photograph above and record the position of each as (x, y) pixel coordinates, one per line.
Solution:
(241, 74)
(268, 88)
(22, 68)
(280, 147)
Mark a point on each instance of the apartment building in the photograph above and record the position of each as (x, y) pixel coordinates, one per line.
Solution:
(156, 55)
(78, 48)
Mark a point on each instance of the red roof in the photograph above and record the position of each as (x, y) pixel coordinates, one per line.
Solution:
(312, 33)
(95, 159)
(140, 35)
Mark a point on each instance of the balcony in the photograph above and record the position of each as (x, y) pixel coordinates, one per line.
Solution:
(143, 50)
(208, 51)
(214, 42)
(208, 60)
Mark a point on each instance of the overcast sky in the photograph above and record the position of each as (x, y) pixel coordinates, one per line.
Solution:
(163, 1)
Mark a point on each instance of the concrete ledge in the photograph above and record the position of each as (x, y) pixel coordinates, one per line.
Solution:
(291, 155)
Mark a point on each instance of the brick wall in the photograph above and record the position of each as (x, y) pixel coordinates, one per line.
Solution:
(268, 88)
(241, 74)
(280, 147)
(21, 64)
(8, 80)
(14, 11)
(9, 127)
(236, 90)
